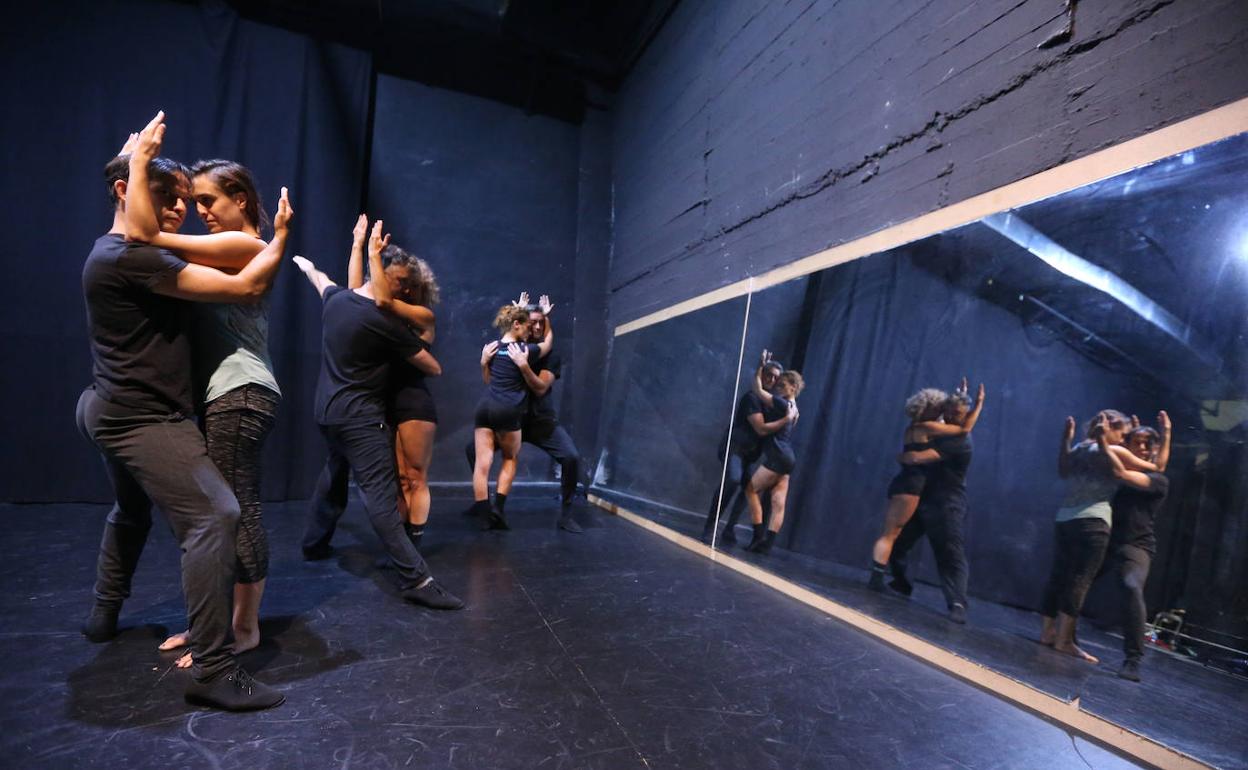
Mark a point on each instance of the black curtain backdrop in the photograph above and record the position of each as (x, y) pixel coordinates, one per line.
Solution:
(78, 78)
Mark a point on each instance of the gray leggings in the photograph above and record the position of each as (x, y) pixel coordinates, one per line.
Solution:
(236, 425)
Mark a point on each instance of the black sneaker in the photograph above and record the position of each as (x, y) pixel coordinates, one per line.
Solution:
(568, 524)
(433, 595)
(495, 520)
(101, 624)
(234, 690)
(1130, 670)
(957, 613)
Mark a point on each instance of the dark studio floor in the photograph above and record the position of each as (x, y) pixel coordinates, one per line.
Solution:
(612, 649)
(1189, 707)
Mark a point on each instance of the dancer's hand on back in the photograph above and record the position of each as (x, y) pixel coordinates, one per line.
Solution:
(523, 301)
(488, 352)
(360, 231)
(147, 143)
(281, 220)
(543, 303)
(517, 354)
(376, 241)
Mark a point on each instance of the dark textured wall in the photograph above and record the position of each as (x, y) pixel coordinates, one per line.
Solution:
(753, 133)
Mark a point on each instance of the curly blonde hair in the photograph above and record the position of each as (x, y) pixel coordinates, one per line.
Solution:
(925, 401)
(508, 315)
(420, 282)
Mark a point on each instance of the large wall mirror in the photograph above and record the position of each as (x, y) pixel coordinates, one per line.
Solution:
(1108, 326)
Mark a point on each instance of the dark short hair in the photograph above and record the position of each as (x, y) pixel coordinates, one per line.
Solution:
(234, 178)
(163, 171)
(1153, 437)
(420, 281)
(773, 364)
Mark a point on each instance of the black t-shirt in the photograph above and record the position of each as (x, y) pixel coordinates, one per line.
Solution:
(744, 439)
(542, 408)
(507, 384)
(1135, 510)
(778, 409)
(946, 481)
(140, 340)
(359, 342)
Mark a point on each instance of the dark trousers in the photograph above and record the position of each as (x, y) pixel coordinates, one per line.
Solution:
(1078, 553)
(944, 525)
(162, 459)
(736, 475)
(550, 437)
(236, 425)
(1130, 566)
(367, 450)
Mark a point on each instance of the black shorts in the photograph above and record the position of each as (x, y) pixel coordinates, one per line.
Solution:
(412, 403)
(779, 460)
(910, 480)
(498, 416)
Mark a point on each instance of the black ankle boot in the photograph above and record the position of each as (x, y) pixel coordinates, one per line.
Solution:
(101, 624)
(876, 581)
(764, 547)
(760, 534)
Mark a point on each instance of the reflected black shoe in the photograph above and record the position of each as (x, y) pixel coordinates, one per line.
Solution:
(876, 581)
(567, 523)
(1130, 670)
(957, 613)
(433, 595)
(101, 624)
(317, 552)
(234, 690)
(901, 586)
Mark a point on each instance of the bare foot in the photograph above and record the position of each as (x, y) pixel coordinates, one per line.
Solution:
(184, 661)
(1073, 650)
(176, 641)
(245, 640)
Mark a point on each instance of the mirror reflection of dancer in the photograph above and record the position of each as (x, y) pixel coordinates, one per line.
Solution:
(1083, 523)
(1132, 541)
(540, 426)
(743, 446)
(359, 345)
(941, 514)
(924, 410)
(137, 413)
(231, 345)
(778, 459)
(411, 412)
(507, 368)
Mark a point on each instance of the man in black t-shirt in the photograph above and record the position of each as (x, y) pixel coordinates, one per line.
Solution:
(743, 445)
(137, 413)
(359, 342)
(541, 427)
(1132, 540)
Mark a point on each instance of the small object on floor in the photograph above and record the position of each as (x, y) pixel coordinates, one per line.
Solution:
(902, 586)
(957, 613)
(414, 533)
(101, 623)
(876, 581)
(495, 520)
(433, 595)
(234, 690)
(317, 552)
(1130, 670)
(567, 523)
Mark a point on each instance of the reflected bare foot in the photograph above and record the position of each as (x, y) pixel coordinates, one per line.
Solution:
(245, 640)
(175, 642)
(184, 661)
(1073, 650)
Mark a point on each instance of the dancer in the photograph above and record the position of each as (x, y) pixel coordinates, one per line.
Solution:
(743, 445)
(1132, 541)
(411, 408)
(924, 410)
(231, 345)
(1083, 523)
(359, 341)
(540, 426)
(137, 413)
(941, 514)
(507, 368)
(778, 459)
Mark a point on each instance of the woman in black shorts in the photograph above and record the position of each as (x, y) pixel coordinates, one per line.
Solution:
(777, 458)
(924, 410)
(507, 369)
(411, 408)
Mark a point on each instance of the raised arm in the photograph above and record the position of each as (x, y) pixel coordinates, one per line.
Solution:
(413, 315)
(1131, 462)
(1063, 452)
(933, 428)
(548, 342)
(319, 280)
(198, 283)
(355, 263)
(1114, 453)
(757, 385)
(1163, 454)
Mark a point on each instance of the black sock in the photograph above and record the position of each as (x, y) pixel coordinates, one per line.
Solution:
(882, 569)
(414, 533)
(568, 474)
(480, 508)
(500, 502)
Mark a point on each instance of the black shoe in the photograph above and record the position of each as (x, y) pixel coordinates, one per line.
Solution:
(233, 691)
(876, 581)
(1130, 670)
(433, 595)
(957, 613)
(568, 524)
(760, 533)
(495, 520)
(101, 624)
(901, 586)
(762, 546)
(317, 552)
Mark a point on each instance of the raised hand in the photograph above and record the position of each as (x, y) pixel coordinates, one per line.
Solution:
(979, 394)
(543, 303)
(303, 263)
(128, 147)
(523, 301)
(764, 358)
(1070, 430)
(963, 387)
(1135, 422)
(281, 220)
(1163, 422)
(377, 241)
(148, 142)
(360, 231)
(488, 352)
